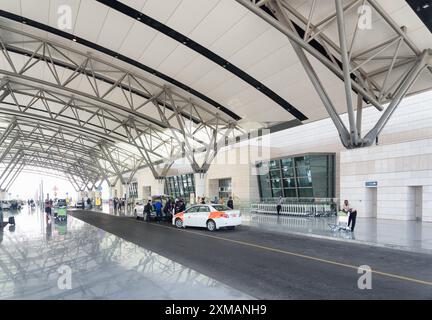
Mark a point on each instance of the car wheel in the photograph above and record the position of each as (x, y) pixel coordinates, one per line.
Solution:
(231, 228)
(211, 225)
(179, 223)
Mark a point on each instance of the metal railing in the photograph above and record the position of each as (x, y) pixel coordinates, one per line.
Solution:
(316, 208)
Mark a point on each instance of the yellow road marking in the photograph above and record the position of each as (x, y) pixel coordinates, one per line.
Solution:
(386, 274)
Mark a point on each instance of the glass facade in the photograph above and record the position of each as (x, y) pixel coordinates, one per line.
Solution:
(180, 186)
(307, 176)
(133, 190)
(225, 188)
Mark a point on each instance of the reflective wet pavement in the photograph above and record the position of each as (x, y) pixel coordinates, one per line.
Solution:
(36, 257)
(415, 236)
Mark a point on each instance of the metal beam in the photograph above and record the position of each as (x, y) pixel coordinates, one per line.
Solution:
(15, 176)
(311, 50)
(108, 157)
(8, 130)
(359, 71)
(405, 86)
(14, 164)
(346, 70)
(8, 148)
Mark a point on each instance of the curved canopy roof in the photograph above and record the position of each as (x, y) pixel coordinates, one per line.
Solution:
(161, 78)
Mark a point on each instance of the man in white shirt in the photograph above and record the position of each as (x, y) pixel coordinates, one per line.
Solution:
(279, 205)
(352, 214)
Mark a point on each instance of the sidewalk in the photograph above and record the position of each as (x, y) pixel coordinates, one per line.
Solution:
(414, 236)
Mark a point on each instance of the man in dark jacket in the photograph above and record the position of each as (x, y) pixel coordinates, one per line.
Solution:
(230, 203)
(148, 210)
(168, 210)
(182, 205)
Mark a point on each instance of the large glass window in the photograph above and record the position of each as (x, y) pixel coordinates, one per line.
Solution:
(180, 186)
(308, 176)
(133, 190)
(225, 188)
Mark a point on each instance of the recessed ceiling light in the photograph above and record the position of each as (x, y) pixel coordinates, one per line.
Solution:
(425, 6)
(74, 40)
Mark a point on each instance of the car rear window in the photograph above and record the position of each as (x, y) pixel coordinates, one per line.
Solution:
(220, 207)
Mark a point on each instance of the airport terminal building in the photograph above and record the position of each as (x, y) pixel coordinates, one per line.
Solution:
(389, 180)
(215, 149)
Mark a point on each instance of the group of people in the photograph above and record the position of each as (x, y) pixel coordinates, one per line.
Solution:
(230, 202)
(170, 208)
(119, 203)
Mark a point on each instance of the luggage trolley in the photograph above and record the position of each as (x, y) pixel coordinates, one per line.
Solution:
(60, 212)
(341, 222)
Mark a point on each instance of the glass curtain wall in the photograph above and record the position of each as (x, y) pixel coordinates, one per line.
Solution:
(133, 190)
(307, 176)
(225, 188)
(180, 186)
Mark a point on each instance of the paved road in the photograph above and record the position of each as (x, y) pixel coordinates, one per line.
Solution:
(268, 265)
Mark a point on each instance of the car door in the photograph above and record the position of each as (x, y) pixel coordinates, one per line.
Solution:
(190, 216)
(202, 216)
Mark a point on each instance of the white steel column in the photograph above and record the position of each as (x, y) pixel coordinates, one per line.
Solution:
(200, 185)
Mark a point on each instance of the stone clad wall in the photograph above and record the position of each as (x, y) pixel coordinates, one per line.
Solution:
(397, 168)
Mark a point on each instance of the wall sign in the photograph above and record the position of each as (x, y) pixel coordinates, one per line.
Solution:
(371, 184)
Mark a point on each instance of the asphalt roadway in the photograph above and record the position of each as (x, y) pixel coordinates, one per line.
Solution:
(268, 265)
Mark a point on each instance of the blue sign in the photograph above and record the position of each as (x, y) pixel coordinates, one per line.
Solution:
(371, 184)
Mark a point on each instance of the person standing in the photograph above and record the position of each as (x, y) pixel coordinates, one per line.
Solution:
(158, 209)
(203, 200)
(148, 210)
(279, 205)
(115, 204)
(352, 215)
(47, 210)
(168, 209)
(182, 205)
(230, 203)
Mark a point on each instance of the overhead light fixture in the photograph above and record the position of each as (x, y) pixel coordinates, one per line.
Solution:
(425, 6)
(74, 39)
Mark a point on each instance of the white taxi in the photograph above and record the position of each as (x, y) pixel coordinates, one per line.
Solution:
(210, 216)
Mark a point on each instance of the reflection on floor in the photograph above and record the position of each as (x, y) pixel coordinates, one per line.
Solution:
(407, 235)
(35, 257)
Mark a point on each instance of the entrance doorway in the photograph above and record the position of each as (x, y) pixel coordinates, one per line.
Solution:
(371, 202)
(418, 203)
